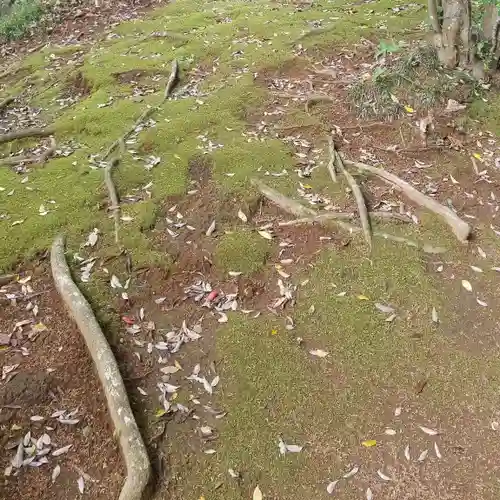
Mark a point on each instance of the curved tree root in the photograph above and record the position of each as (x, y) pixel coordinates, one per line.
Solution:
(126, 430)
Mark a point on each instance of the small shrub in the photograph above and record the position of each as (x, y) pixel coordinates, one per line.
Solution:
(16, 19)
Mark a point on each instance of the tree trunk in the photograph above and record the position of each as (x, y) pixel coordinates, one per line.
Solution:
(456, 44)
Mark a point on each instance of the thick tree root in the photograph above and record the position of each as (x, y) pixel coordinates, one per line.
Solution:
(460, 228)
(126, 430)
(286, 204)
(28, 132)
(28, 160)
(6, 102)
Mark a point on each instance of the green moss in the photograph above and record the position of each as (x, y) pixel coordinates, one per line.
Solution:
(487, 113)
(241, 251)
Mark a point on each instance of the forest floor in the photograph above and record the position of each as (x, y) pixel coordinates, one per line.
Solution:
(258, 356)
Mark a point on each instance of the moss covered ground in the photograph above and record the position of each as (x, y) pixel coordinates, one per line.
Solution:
(270, 385)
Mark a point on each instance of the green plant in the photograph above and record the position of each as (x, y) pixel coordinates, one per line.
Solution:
(17, 19)
(384, 48)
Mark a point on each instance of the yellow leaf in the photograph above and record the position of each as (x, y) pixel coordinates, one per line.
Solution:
(39, 327)
(307, 186)
(369, 443)
(363, 297)
(178, 365)
(274, 332)
(174, 396)
(409, 109)
(477, 156)
(160, 412)
(202, 498)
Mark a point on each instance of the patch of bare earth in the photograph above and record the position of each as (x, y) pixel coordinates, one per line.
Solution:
(50, 399)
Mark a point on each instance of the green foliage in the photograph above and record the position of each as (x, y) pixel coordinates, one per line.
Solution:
(18, 18)
(384, 48)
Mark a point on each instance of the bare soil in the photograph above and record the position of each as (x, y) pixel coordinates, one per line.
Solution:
(53, 373)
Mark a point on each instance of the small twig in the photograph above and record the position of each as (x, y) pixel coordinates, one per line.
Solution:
(287, 204)
(331, 161)
(28, 132)
(313, 99)
(113, 196)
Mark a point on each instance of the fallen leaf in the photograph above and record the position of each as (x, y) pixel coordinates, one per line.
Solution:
(215, 381)
(435, 317)
(481, 302)
(56, 472)
(390, 432)
(266, 234)
(409, 109)
(222, 318)
(61, 451)
(257, 494)
(476, 269)
(115, 282)
(233, 473)
(369, 494)
(407, 452)
(81, 485)
(397, 411)
(390, 318)
(293, 448)
(467, 285)
(423, 455)
(362, 297)
(210, 451)
(242, 216)
(331, 486)
(495, 426)
(168, 370)
(481, 252)
(383, 476)
(454, 106)
(318, 353)
(211, 229)
(369, 443)
(383, 308)
(352, 472)
(430, 432)
(436, 450)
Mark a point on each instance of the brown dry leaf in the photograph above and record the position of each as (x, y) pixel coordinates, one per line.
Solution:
(62, 451)
(423, 455)
(420, 385)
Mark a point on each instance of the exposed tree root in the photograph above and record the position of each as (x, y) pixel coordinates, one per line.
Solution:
(331, 161)
(27, 160)
(28, 132)
(360, 200)
(286, 204)
(6, 102)
(329, 216)
(460, 228)
(126, 430)
(113, 197)
(171, 83)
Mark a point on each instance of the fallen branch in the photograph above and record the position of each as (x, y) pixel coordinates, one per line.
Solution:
(6, 102)
(331, 161)
(113, 196)
(287, 204)
(126, 430)
(328, 216)
(460, 228)
(28, 132)
(313, 99)
(172, 81)
(360, 200)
